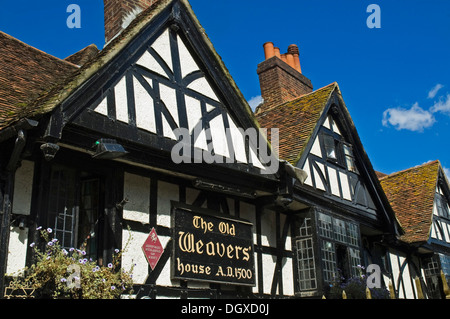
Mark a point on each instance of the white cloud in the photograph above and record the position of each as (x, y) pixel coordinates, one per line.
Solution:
(255, 101)
(434, 90)
(447, 172)
(413, 119)
(443, 105)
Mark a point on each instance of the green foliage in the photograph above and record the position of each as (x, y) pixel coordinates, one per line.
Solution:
(58, 273)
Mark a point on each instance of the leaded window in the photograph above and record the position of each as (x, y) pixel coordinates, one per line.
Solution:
(340, 251)
(441, 206)
(329, 261)
(339, 152)
(74, 209)
(306, 265)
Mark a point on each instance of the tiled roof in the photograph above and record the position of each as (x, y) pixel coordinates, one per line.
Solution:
(54, 80)
(296, 121)
(84, 55)
(411, 194)
(25, 73)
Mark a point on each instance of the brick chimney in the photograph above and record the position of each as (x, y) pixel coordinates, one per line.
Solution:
(120, 13)
(280, 76)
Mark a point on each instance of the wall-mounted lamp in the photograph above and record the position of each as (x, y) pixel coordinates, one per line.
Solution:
(49, 150)
(108, 149)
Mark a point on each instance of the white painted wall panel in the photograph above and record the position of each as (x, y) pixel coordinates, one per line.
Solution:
(345, 186)
(332, 173)
(409, 289)
(238, 141)
(269, 263)
(193, 111)
(23, 187)
(102, 108)
(268, 229)
(315, 149)
(17, 250)
(166, 193)
(288, 277)
(120, 92)
(202, 86)
(305, 167)
(188, 65)
(137, 190)
(133, 254)
(317, 179)
(145, 112)
(149, 62)
(164, 278)
(162, 47)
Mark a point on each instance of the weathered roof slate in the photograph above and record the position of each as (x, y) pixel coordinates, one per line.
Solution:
(411, 194)
(64, 83)
(25, 73)
(296, 121)
(84, 55)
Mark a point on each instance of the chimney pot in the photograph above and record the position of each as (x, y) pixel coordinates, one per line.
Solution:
(268, 50)
(277, 53)
(281, 79)
(293, 49)
(290, 60)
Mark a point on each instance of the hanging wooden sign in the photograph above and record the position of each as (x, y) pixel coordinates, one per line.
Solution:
(152, 249)
(211, 247)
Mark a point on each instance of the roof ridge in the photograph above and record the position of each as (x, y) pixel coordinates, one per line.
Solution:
(298, 98)
(36, 49)
(408, 169)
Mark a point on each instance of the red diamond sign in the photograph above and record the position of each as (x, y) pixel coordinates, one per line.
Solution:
(152, 249)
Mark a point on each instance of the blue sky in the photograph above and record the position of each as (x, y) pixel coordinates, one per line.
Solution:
(395, 80)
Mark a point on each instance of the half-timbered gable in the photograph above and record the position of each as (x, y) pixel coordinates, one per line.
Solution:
(151, 136)
(348, 212)
(419, 197)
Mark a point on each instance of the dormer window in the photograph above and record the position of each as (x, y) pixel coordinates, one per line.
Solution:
(339, 152)
(442, 207)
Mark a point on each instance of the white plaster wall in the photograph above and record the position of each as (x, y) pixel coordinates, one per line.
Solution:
(268, 229)
(269, 263)
(162, 47)
(137, 190)
(17, 250)
(409, 288)
(23, 186)
(133, 254)
(318, 180)
(315, 149)
(145, 113)
(120, 91)
(164, 278)
(102, 107)
(332, 173)
(394, 266)
(166, 193)
(288, 276)
(188, 65)
(345, 186)
(306, 168)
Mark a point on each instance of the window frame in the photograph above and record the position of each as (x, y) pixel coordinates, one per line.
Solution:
(111, 181)
(344, 157)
